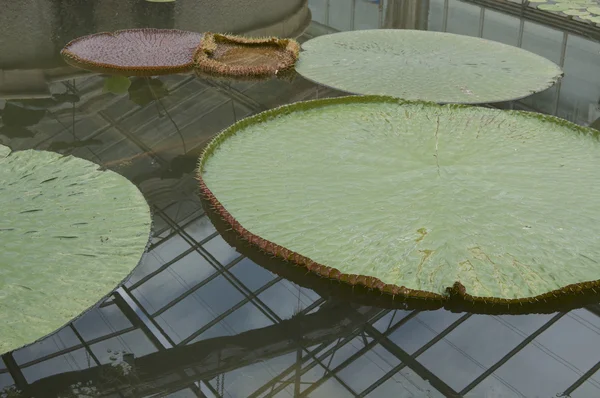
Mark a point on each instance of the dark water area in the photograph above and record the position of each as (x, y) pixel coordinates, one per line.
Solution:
(198, 318)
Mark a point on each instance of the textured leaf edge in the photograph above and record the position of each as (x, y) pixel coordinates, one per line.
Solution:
(142, 71)
(456, 297)
(205, 64)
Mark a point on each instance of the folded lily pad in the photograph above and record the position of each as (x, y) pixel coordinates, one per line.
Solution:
(425, 65)
(594, 10)
(69, 234)
(416, 200)
(134, 52)
(237, 56)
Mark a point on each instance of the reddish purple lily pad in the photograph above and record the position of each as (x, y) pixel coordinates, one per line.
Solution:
(135, 52)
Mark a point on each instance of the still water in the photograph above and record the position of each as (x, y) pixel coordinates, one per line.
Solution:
(197, 318)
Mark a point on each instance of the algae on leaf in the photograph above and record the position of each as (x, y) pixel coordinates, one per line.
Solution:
(425, 65)
(416, 199)
(69, 234)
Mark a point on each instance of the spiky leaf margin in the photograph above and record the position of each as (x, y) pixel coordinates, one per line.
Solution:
(205, 63)
(456, 297)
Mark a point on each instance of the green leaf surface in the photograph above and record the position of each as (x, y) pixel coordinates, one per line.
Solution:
(577, 13)
(417, 194)
(116, 84)
(594, 10)
(425, 65)
(578, 3)
(555, 7)
(69, 234)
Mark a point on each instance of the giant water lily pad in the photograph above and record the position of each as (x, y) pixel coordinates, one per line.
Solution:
(444, 202)
(425, 65)
(69, 234)
(134, 52)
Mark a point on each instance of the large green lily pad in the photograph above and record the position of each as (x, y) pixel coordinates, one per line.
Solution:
(69, 234)
(425, 65)
(416, 199)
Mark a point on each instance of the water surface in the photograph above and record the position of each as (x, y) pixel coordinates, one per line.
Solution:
(197, 319)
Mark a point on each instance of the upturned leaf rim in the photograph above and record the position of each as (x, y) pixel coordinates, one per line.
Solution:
(141, 71)
(205, 64)
(456, 296)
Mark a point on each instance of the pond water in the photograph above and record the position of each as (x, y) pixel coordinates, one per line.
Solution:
(196, 318)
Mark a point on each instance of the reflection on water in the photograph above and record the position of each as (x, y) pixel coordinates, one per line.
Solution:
(197, 319)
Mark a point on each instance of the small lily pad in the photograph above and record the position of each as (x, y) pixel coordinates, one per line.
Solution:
(134, 52)
(591, 18)
(554, 7)
(576, 13)
(116, 84)
(594, 10)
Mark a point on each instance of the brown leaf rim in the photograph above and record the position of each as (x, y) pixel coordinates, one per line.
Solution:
(101, 67)
(204, 63)
(456, 296)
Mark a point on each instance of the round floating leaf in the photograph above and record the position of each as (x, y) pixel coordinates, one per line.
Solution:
(555, 7)
(594, 10)
(425, 65)
(134, 52)
(467, 204)
(577, 13)
(586, 16)
(116, 84)
(576, 3)
(237, 56)
(575, 6)
(591, 18)
(69, 234)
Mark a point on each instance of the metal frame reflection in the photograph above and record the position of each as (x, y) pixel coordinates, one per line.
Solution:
(189, 365)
